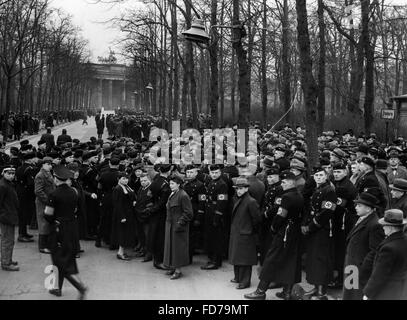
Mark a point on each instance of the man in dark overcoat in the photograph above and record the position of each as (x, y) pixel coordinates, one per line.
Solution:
(361, 245)
(244, 229)
(389, 275)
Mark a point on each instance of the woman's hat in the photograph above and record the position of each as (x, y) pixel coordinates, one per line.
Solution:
(393, 217)
(399, 185)
(367, 199)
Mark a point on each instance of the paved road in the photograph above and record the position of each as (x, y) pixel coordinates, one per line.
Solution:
(111, 279)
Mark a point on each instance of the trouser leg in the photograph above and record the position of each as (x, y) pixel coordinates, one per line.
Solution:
(75, 282)
(7, 244)
(245, 275)
(236, 272)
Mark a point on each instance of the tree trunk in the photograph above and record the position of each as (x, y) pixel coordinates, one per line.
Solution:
(286, 70)
(263, 71)
(308, 83)
(213, 51)
(321, 68)
(244, 88)
(369, 52)
(233, 86)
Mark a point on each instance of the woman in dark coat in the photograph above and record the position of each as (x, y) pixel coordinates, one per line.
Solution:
(123, 216)
(179, 215)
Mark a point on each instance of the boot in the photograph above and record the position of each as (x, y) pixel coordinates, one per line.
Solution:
(256, 295)
(79, 286)
(321, 293)
(43, 244)
(286, 293)
(309, 294)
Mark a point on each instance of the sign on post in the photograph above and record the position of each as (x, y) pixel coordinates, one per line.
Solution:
(388, 114)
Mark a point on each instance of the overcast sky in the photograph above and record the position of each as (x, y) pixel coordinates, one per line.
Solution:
(90, 17)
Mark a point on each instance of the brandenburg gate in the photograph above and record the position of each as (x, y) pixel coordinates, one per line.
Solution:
(110, 87)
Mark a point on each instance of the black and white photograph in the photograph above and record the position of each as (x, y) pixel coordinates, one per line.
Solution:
(219, 152)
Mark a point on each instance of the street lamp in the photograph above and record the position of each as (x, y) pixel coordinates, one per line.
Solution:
(150, 89)
(197, 32)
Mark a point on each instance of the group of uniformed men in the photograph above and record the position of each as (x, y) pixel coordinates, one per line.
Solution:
(293, 214)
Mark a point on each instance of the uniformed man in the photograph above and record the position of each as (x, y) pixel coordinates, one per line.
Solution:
(196, 191)
(280, 159)
(319, 229)
(108, 180)
(215, 208)
(271, 204)
(144, 200)
(25, 187)
(157, 215)
(283, 260)
(60, 213)
(88, 175)
(4, 158)
(344, 219)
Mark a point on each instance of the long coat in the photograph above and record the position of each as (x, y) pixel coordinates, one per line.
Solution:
(123, 198)
(179, 215)
(361, 245)
(9, 204)
(389, 276)
(400, 204)
(243, 232)
(283, 260)
(44, 185)
(319, 262)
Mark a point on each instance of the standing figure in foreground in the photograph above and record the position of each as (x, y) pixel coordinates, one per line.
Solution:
(389, 275)
(8, 218)
(179, 215)
(60, 213)
(246, 218)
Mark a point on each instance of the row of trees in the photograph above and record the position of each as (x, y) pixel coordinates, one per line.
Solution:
(256, 55)
(41, 59)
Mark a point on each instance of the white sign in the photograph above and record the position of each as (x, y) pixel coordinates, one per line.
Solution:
(388, 114)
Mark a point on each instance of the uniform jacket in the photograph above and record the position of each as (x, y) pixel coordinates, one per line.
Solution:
(361, 246)
(246, 217)
(389, 276)
(49, 139)
(8, 203)
(283, 260)
(179, 215)
(384, 185)
(44, 186)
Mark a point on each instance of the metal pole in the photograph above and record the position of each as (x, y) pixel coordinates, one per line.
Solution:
(387, 131)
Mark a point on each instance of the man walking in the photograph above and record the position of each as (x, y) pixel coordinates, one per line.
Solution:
(8, 218)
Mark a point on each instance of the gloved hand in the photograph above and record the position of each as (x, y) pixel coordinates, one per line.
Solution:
(179, 228)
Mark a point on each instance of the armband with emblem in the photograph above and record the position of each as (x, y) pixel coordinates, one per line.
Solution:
(278, 201)
(222, 197)
(328, 205)
(202, 197)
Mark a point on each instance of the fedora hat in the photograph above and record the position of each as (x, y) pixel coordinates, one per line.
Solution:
(241, 182)
(367, 199)
(393, 217)
(399, 185)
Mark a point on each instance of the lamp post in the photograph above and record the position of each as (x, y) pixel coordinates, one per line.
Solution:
(150, 90)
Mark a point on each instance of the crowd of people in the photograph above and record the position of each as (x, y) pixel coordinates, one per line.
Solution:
(341, 219)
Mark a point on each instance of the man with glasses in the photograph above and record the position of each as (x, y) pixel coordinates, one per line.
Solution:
(8, 218)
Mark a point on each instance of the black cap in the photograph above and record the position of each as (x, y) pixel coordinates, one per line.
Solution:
(288, 175)
(24, 142)
(214, 167)
(368, 161)
(273, 170)
(29, 156)
(164, 168)
(114, 161)
(62, 173)
(177, 179)
(339, 166)
(190, 167)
